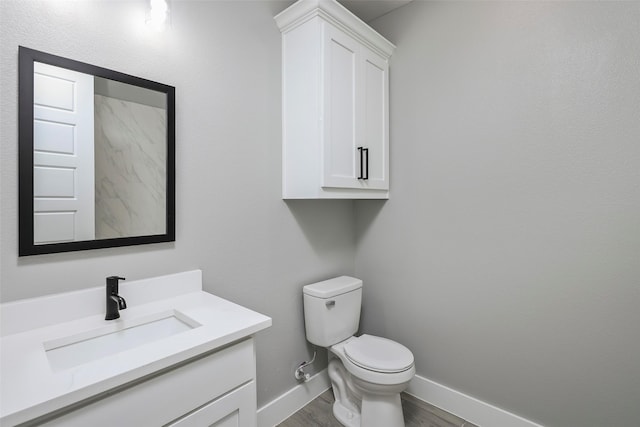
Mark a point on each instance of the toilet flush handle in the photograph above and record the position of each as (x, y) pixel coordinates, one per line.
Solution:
(330, 303)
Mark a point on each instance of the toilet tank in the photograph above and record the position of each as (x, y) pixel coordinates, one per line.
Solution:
(332, 310)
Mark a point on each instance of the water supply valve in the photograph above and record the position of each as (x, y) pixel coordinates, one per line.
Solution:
(300, 374)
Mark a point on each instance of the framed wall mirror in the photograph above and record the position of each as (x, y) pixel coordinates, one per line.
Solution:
(96, 157)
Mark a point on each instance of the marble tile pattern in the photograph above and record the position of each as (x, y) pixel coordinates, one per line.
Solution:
(417, 413)
(130, 168)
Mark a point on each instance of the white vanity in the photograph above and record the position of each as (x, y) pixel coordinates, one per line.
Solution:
(177, 356)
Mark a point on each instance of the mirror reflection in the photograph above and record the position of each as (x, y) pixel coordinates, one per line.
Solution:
(102, 157)
(130, 161)
(110, 139)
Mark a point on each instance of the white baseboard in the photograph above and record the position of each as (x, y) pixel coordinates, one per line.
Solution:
(287, 404)
(469, 408)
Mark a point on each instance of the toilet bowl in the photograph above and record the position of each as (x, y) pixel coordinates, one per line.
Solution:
(377, 370)
(367, 372)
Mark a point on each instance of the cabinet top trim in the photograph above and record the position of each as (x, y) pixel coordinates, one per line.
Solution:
(332, 11)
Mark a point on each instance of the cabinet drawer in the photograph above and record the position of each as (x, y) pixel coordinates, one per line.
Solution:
(168, 396)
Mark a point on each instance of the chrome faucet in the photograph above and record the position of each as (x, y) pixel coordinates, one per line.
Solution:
(114, 301)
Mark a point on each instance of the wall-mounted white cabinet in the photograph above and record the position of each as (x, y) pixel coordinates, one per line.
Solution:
(335, 89)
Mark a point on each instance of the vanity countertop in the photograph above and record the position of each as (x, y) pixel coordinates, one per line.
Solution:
(31, 386)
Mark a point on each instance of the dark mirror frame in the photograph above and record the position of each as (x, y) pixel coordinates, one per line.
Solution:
(26, 245)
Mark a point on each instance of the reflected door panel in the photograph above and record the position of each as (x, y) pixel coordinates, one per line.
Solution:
(63, 155)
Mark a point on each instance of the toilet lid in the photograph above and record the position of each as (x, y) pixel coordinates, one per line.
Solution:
(378, 354)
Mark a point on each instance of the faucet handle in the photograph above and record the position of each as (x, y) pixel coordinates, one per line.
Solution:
(112, 284)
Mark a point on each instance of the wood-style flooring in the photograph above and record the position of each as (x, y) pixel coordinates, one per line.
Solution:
(417, 413)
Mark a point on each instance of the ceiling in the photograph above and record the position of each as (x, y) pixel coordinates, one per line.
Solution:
(368, 10)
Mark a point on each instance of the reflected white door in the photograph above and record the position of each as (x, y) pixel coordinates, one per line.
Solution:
(63, 160)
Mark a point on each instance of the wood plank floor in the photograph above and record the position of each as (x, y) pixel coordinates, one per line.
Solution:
(417, 413)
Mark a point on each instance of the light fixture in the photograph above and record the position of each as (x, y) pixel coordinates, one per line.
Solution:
(158, 15)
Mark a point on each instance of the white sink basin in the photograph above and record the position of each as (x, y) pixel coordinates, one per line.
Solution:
(121, 335)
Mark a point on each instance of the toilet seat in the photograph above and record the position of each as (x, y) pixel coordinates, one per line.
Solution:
(378, 354)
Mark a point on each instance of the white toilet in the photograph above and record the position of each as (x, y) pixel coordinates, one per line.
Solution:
(367, 372)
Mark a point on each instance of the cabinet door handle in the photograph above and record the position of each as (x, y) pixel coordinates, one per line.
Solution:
(366, 151)
(361, 150)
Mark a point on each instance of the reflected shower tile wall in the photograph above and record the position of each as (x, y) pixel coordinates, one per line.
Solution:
(130, 168)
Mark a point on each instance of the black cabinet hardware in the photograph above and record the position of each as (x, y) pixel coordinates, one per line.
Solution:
(366, 152)
(364, 163)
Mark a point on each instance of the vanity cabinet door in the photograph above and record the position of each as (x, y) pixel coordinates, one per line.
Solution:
(237, 409)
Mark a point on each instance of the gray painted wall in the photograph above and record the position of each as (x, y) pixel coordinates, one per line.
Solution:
(254, 249)
(508, 257)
